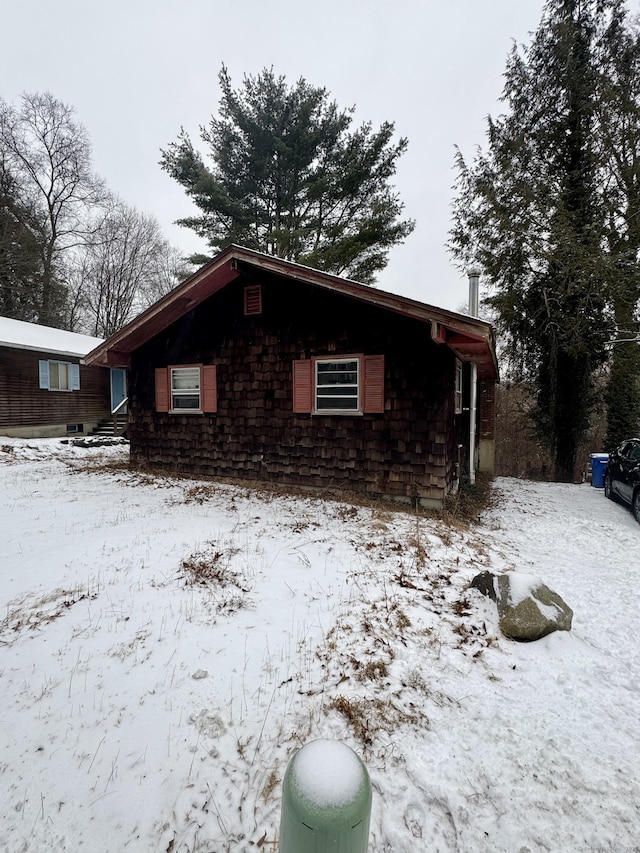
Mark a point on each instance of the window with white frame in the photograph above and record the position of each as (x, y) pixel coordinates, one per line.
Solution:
(337, 385)
(185, 389)
(59, 375)
(347, 385)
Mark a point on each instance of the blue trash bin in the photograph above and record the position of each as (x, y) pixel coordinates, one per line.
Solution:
(599, 463)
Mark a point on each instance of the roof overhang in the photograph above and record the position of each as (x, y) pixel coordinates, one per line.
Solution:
(471, 339)
(116, 350)
(469, 347)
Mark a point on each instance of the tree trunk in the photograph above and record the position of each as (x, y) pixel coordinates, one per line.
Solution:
(572, 392)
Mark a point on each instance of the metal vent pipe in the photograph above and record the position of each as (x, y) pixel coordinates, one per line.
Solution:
(474, 309)
(474, 301)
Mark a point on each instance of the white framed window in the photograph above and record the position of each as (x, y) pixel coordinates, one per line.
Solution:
(337, 385)
(57, 375)
(185, 389)
(458, 387)
(343, 385)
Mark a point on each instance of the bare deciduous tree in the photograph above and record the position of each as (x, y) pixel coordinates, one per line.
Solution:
(48, 155)
(125, 267)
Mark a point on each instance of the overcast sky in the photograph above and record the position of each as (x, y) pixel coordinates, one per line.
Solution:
(136, 71)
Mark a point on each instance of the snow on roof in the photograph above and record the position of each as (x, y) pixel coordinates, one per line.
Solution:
(31, 336)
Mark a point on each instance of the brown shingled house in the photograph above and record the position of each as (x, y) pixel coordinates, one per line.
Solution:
(264, 369)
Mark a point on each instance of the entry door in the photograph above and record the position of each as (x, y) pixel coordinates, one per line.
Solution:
(118, 387)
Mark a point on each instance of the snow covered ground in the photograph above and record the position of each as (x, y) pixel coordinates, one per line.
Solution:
(166, 645)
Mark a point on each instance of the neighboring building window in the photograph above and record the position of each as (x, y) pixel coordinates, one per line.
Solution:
(337, 385)
(458, 389)
(346, 385)
(188, 389)
(253, 299)
(59, 375)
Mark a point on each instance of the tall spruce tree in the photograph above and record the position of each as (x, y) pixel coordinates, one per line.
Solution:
(289, 177)
(531, 211)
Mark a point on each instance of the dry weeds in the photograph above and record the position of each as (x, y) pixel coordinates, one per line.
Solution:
(367, 717)
(30, 613)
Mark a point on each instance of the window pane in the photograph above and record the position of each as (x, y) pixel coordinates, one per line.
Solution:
(58, 376)
(337, 385)
(185, 379)
(337, 373)
(186, 401)
(341, 403)
(346, 391)
(335, 377)
(337, 365)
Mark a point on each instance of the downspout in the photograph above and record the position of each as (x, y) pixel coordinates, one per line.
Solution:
(474, 277)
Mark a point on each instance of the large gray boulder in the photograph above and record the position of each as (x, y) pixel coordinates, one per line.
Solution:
(527, 608)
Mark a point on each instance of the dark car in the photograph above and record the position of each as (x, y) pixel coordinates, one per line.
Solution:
(622, 477)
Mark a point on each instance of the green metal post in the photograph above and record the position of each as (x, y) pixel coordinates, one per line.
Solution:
(326, 801)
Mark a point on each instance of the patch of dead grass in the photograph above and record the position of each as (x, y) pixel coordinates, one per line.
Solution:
(367, 717)
(211, 568)
(32, 613)
(470, 502)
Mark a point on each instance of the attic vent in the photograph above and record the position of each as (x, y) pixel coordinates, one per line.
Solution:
(253, 299)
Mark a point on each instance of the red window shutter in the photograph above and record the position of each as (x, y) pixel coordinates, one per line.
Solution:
(302, 386)
(253, 299)
(162, 389)
(373, 384)
(209, 388)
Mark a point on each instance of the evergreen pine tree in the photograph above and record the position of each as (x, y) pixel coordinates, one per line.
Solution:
(290, 178)
(20, 255)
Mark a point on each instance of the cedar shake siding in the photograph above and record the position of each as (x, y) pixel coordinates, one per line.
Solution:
(28, 410)
(404, 444)
(264, 369)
